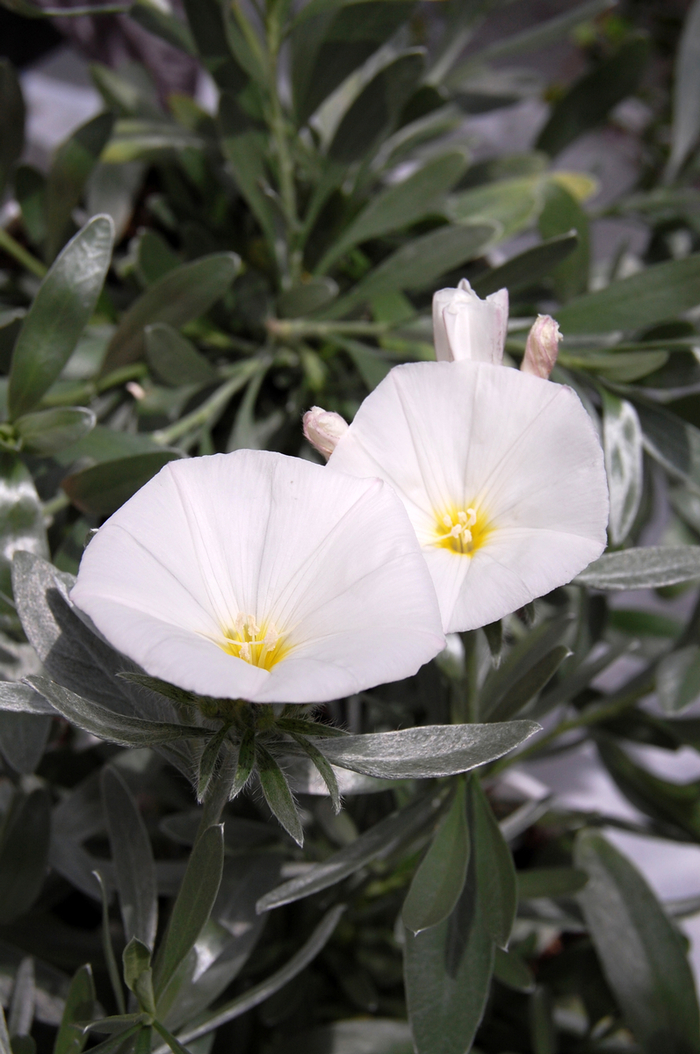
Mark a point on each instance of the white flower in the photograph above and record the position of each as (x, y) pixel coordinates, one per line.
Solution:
(467, 327)
(323, 429)
(258, 576)
(541, 347)
(502, 476)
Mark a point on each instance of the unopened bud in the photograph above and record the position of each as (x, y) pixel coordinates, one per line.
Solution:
(467, 327)
(324, 429)
(542, 347)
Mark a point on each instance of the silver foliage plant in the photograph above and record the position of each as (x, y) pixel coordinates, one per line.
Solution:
(269, 792)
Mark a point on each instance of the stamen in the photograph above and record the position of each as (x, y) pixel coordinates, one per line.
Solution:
(459, 530)
(260, 645)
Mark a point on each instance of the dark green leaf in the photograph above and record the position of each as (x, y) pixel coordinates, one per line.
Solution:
(678, 679)
(510, 204)
(245, 762)
(376, 843)
(193, 905)
(641, 951)
(647, 568)
(561, 213)
(262, 991)
(170, 691)
(542, 1027)
(277, 793)
(30, 186)
(245, 149)
(447, 972)
(550, 882)
(178, 297)
(71, 167)
(5, 1047)
(530, 684)
(686, 96)
(660, 292)
(333, 40)
(494, 638)
(439, 880)
(495, 871)
(108, 948)
(163, 25)
(60, 311)
(306, 297)
(400, 205)
(590, 99)
(11, 121)
(132, 858)
(418, 263)
(21, 517)
(375, 111)
(323, 766)
(622, 443)
(428, 751)
(512, 971)
(207, 27)
(24, 853)
(208, 762)
(672, 442)
(115, 728)
(529, 266)
(48, 431)
(23, 739)
(173, 1043)
(80, 1006)
(355, 1036)
(518, 672)
(154, 257)
(101, 489)
(116, 1042)
(174, 359)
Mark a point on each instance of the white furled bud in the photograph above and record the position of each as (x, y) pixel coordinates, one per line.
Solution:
(467, 327)
(542, 347)
(323, 429)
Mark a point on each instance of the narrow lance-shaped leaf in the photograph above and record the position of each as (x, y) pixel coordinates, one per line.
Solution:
(24, 853)
(21, 518)
(427, 751)
(439, 879)
(60, 311)
(79, 1006)
(46, 432)
(178, 297)
(495, 871)
(132, 858)
(277, 793)
(23, 1002)
(244, 763)
(648, 568)
(447, 972)
(686, 96)
(622, 443)
(641, 951)
(23, 739)
(100, 489)
(324, 768)
(11, 120)
(138, 974)
(378, 842)
(193, 905)
(115, 728)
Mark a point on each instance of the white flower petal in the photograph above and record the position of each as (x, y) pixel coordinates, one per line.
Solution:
(520, 450)
(328, 563)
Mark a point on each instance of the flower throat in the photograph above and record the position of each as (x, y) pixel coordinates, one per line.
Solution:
(261, 646)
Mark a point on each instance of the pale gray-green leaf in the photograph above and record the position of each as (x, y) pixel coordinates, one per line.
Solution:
(686, 95)
(647, 568)
(622, 445)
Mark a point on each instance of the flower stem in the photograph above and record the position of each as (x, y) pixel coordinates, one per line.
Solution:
(20, 254)
(290, 328)
(214, 405)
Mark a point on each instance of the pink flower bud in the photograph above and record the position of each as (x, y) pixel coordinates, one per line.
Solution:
(323, 429)
(542, 347)
(467, 327)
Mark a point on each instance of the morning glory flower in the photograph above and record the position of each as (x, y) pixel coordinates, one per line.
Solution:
(501, 474)
(467, 327)
(263, 577)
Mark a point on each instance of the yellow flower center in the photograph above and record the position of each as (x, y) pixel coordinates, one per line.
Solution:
(261, 646)
(461, 530)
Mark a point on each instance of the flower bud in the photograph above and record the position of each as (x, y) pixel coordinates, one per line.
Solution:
(542, 347)
(323, 429)
(467, 327)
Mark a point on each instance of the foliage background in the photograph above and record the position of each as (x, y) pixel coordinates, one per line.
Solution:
(280, 253)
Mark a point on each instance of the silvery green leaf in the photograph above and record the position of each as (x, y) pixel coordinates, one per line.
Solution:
(23, 853)
(622, 444)
(277, 793)
(376, 843)
(686, 102)
(106, 724)
(23, 1000)
(20, 698)
(427, 752)
(648, 568)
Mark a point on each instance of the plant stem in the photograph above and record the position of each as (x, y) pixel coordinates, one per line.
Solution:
(291, 328)
(20, 254)
(278, 131)
(77, 12)
(214, 405)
